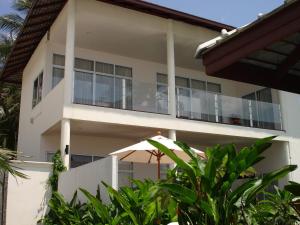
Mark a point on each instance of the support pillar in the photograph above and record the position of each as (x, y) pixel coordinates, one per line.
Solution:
(171, 75)
(68, 81)
(69, 52)
(65, 139)
(171, 69)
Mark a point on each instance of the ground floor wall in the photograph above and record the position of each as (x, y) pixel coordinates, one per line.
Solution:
(27, 198)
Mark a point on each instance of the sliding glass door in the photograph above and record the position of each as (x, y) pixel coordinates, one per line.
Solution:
(104, 85)
(83, 88)
(104, 91)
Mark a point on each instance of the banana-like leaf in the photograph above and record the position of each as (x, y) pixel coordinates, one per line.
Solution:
(182, 193)
(293, 187)
(99, 208)
(267, 180)
(193, 155)
(187, 167)
(125, 205)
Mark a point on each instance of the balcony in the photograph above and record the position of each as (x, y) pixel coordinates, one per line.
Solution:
(193, 104)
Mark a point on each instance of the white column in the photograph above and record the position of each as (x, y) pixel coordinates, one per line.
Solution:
(65, 138)
(171, 69)
(69, 52)
(68, 81)
(172, 135)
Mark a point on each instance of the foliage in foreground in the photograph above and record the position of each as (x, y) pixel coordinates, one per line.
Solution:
(196, 193)
(128, 206)
(6, 166)
(203, 189)
(57, 168)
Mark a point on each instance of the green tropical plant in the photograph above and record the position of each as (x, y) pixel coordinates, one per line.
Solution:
(143, 204)
(199, 192)
(62, 212)
(57, 167)
(138, 206)
(294, 188)
(276, 209)
(203, 189)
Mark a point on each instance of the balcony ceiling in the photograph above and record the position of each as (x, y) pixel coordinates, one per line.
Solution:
(44, 12)
(132, 34)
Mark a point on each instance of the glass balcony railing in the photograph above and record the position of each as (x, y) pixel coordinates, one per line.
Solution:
(191, 104)
(213, 107)
(121, 94)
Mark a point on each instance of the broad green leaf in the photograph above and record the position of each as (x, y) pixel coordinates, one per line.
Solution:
(261, 184)
(187, 167)
(182, 193)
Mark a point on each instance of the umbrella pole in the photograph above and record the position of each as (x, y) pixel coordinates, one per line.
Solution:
(158, 166)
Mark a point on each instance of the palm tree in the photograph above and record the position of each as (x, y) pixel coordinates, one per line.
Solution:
(10, 26)
(9, 115)
(12, 23)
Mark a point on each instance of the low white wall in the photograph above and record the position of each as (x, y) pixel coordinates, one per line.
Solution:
(27, 198)
(88, 177)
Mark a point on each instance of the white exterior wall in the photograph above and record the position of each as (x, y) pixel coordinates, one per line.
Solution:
(88, 177)
(34, 121)
(290, 109)
(27, 198)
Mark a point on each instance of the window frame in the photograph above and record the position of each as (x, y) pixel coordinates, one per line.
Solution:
(114, 76)
(189, 88)
(80, 154)
(37, 95)
(56, 66)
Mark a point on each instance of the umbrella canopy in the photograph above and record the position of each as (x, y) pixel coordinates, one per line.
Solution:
(144, 152)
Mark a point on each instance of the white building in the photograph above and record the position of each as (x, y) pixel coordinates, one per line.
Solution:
(104, 75)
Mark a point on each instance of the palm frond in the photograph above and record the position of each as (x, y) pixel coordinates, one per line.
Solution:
(11, 23)
(22, 5)
(6, 166)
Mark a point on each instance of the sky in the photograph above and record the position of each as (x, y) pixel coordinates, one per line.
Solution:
(233, 12)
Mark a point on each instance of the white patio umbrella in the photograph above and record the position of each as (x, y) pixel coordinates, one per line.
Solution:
(144, 152)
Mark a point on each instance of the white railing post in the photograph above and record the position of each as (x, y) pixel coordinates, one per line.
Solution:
(250, 113)
(216, 108)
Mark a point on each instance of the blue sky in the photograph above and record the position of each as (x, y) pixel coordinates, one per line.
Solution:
(232, 12)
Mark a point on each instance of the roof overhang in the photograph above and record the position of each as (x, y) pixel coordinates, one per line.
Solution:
(44, 12)
(266, 52)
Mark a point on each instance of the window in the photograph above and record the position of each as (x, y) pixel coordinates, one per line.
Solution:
(125, 173)
(97, 83)
(37, 90)
(183, 95)
(58, 69)
(83, 88)
(83, 64)
(109, 85)
(162, 93)
(76, 160)
(195, 99)
(260, 112)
